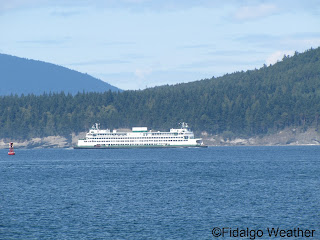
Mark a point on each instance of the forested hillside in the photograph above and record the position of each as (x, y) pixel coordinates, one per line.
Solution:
(240, 104)
(26, 76)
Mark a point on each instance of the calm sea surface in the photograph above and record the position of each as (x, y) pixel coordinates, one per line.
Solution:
(158, 193)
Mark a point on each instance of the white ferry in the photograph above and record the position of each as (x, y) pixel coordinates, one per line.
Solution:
(139, 137)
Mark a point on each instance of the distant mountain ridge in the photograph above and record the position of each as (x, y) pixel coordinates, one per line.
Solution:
(26, 76)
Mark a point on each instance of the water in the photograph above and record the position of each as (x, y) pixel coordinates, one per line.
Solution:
(158, 193)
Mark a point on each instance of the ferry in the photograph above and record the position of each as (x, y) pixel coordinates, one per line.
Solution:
(139, 137)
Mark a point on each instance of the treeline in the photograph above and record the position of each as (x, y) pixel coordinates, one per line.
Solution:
(286, 94)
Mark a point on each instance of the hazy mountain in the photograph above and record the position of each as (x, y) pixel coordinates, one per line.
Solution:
(24, 76)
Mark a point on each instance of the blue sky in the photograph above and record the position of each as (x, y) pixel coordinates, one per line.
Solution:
(134, 44)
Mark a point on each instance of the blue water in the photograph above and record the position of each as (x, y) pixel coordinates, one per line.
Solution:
(158, 193)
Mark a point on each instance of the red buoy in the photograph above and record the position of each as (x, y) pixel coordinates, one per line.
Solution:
(11, 151)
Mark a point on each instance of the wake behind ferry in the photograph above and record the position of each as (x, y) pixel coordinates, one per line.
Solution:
(139, 137)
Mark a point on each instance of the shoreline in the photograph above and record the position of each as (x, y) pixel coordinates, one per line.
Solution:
(286, 137)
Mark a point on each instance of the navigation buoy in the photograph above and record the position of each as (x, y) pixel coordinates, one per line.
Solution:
(11, 151)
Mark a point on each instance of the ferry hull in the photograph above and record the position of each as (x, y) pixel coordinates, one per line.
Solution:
(130, 147)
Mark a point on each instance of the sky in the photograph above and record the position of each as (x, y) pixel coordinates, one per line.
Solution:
(137, 44)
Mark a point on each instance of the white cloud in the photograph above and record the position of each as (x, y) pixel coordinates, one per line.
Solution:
(142, 73)
(277, 56)
(254, 12)
(6, 5)
(314, 42)
(13, 4)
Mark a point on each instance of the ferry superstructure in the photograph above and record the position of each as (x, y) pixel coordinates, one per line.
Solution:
(139, 137)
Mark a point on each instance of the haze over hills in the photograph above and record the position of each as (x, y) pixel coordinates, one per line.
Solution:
(25, 76)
